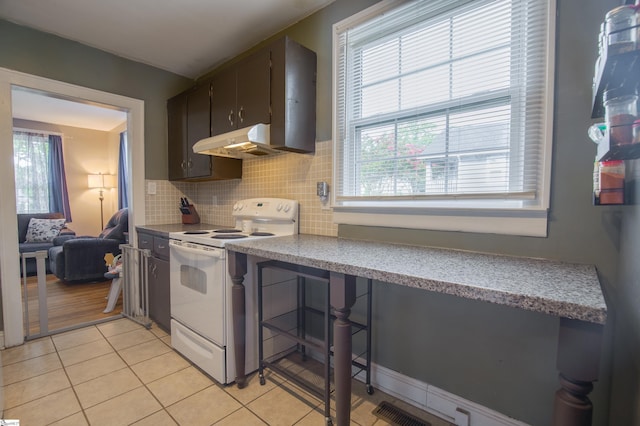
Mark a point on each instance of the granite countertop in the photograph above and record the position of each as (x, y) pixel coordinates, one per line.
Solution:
(556, 288)
(163, 230)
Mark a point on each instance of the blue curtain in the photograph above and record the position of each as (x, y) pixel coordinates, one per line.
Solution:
(58, 195)
(122, 173)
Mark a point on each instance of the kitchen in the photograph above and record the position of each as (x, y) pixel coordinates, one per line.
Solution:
(578, 231)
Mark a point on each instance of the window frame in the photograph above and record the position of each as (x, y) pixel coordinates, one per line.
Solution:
(46, 134)
(467, 214)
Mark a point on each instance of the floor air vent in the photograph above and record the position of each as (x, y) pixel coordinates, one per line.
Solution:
(396, 416)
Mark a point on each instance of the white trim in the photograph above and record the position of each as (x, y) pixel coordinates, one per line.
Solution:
(9, 265)
(528, 221)
(363, 15)
(435, 400)
(545, 190)
(427, 397)
(533, 226)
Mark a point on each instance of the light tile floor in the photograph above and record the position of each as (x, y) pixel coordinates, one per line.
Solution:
(119, 373)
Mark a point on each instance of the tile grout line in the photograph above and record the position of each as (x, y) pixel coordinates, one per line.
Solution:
(140, 379)
(73, 389)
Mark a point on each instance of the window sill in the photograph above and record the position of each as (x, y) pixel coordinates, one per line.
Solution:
(532, 223)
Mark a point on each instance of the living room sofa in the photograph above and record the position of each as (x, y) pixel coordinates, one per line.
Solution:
(29, 247)
(81, 259)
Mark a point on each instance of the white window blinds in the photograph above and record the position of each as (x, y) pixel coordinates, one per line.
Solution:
(442, 103)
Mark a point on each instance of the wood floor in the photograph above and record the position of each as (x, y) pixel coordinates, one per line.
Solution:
(69, 304)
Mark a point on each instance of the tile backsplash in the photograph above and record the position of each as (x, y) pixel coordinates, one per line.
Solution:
(286, 175)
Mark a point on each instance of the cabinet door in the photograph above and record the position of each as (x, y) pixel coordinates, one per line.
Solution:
(254, 89)
(177, 136)
(223, 102)
(145, 240)
(198, 127)
(159, 294)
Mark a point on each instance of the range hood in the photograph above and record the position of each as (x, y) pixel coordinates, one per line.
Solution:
(249, 142)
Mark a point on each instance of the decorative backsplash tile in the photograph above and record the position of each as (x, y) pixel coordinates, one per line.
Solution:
(286, 175)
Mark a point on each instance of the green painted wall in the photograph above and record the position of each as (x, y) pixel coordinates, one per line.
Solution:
(34, 52)
(497, 356)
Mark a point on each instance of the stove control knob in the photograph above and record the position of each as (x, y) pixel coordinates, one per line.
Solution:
(279, 207)
(240, 206)
(235, 207)
(287, 207)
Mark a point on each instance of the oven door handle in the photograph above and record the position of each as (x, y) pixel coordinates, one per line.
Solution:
(217, 253)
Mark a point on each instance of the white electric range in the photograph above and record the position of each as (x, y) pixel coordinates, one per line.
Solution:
(201, 319)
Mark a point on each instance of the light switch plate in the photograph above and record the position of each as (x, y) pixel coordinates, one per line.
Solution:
(151, 188)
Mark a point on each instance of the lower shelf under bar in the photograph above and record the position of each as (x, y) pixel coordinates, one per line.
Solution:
(293, 337)
(310, 387)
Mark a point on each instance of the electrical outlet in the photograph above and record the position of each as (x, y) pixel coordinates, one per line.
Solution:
(151, 188)
(322, 189)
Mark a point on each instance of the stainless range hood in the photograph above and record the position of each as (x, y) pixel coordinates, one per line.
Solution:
(249, 142)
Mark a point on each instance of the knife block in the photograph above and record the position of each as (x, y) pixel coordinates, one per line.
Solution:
(192, 218)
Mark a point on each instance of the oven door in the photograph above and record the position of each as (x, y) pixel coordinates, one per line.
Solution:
(198, 282)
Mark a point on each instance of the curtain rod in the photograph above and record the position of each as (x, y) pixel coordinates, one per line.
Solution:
(48, 132)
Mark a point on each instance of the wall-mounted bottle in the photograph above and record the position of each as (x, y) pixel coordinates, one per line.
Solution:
(621, 110)
(608, 182)
(621, 29)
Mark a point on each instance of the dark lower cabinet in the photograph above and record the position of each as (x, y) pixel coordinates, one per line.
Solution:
(158, 278)
(159, 292)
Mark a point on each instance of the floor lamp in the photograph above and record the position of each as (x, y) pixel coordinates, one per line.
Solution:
(101, 182)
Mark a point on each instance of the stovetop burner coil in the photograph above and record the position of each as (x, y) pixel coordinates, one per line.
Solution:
(226, 231)
(195, 232)
(228, 236)
(261, 234)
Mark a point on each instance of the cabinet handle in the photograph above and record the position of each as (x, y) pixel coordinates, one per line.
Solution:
(230, 117)
(241, 115)
(183, 165)
(189, 164)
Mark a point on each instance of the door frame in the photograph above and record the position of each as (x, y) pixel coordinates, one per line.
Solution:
(12, 307)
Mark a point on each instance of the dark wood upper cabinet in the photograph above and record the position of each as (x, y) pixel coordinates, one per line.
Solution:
(241, 94)
(177, 135)
(276, 85)
(189, 120)
(293, 96)
(198, 127)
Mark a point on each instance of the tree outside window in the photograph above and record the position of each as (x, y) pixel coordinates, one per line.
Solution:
(31, 163)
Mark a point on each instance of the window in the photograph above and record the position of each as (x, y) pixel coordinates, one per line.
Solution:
(442, 115)
(40, 178)
(31, 163)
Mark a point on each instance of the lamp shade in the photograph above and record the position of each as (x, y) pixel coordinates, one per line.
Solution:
(101, 181)
(109, 181)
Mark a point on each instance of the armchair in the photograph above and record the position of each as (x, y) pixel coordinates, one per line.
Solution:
(82, 258)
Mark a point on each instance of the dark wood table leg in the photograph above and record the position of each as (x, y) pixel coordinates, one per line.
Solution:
(579, 347)
(237, 271)
(343, 296)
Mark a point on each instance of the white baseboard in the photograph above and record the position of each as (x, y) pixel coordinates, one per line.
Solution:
(431, 399)
(2, 340)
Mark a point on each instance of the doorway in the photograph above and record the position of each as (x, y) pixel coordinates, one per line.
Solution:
(12, 308)
(91, 137)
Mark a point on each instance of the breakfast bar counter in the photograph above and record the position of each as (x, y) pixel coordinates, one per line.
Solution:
(568, 291)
